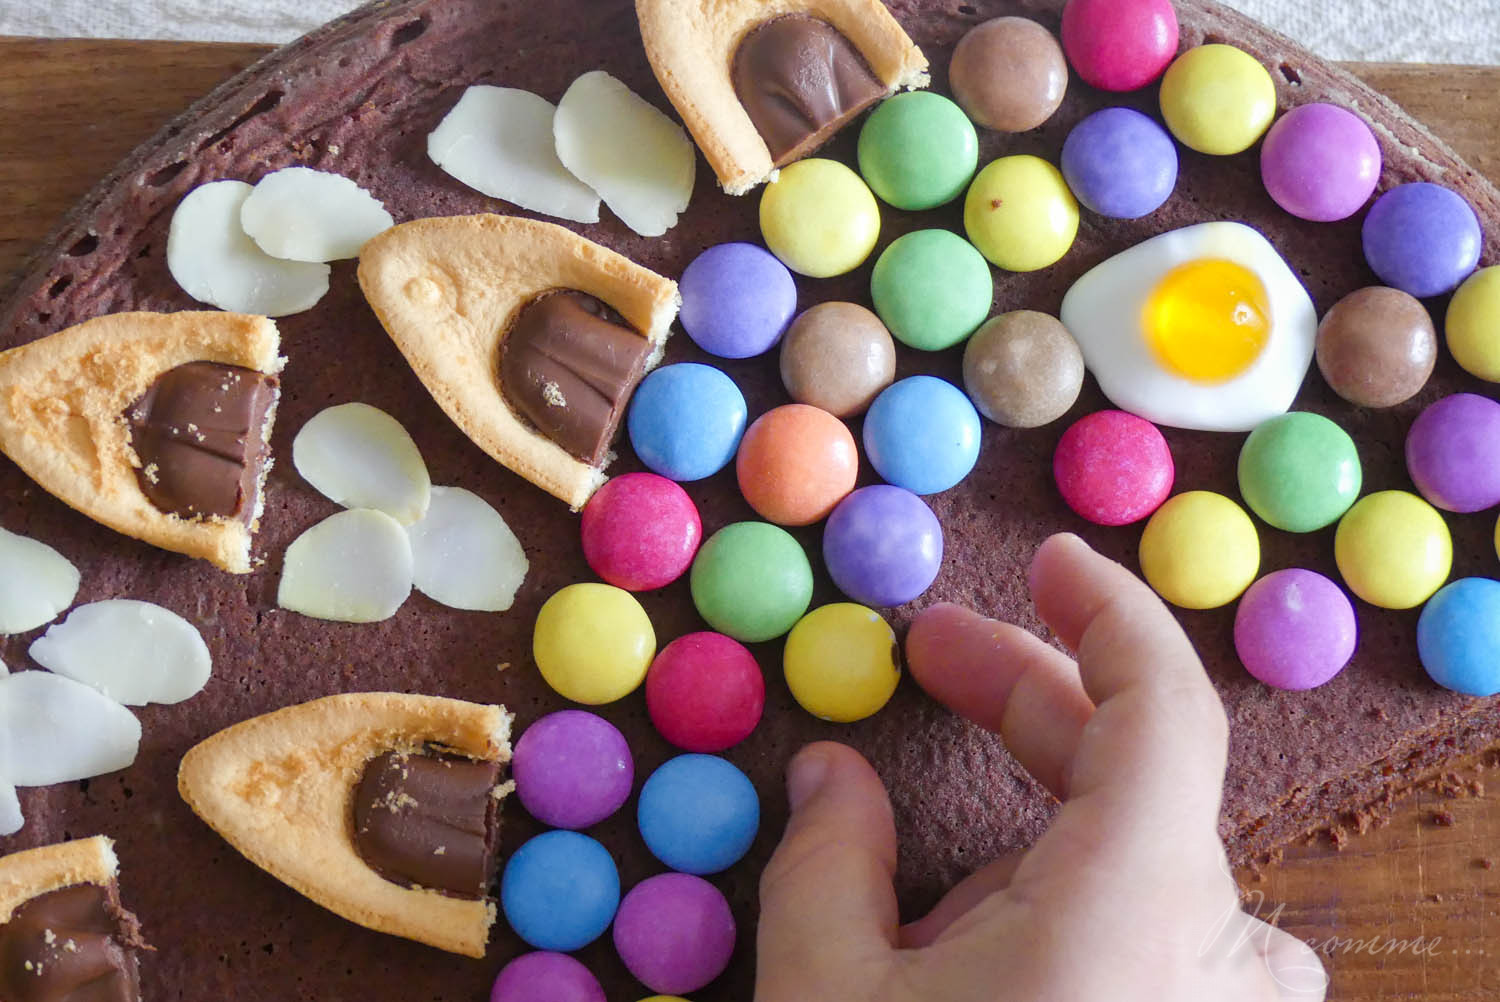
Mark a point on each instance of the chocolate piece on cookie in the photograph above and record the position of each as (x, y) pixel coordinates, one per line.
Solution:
(530, 337)
(156, 425)
(381, 807)
(761, 83)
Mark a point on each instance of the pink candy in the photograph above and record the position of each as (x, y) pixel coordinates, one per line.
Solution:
(640, 531)
(1113, 468)
(1119, 45)
(705, 692)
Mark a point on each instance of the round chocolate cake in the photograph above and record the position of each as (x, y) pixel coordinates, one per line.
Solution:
(359, 97)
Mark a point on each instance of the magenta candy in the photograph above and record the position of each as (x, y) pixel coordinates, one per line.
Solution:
(1295, 629)
(1113, 468)
(705, 692)
(1320, 162)
(1453, 453)
(675, 933)
(555, 977)
(1119, 45)
(640, 531)
(572, 769)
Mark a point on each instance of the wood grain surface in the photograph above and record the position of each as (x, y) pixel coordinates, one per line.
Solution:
(1410, 910)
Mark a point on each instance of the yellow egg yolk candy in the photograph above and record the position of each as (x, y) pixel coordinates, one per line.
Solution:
(1208, 320)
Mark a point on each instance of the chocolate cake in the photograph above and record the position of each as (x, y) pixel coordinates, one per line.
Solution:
(359, 97)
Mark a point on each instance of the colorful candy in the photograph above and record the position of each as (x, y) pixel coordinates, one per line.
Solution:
(795, 463)
(1473, 324)
(883, 546)
(842, 662)
(1020, 213)
(572, 769)
(918, 150)
(922, 434)
(1120, 163)
(837, 356)
(819, 218)
(1453, 453)
(1119, 45)
(1217, 99)
(1023, 369)
(1299, 471)
(1320, 162)
(640, 531)
(556, 977)
(705, 692)
(1458, 637)
(1377, 347)
(1113, 468)
(736, 300)
(1200, 550)
(752, 581)
(675, 932)
(1393, 549)
(593, 643)
(1422, 238)
(932, 289)
(1295, 629)
(1009, 74)
(560, 890)
(698, 814)
(686, 421)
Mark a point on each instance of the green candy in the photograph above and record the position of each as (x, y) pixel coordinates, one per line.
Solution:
(1299, 472)
(752, 581)
(918, 150)
(932, 289)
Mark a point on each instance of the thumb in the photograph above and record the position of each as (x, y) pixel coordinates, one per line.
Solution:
(828, 912)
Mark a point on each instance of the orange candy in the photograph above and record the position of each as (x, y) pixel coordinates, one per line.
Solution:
(796, 463)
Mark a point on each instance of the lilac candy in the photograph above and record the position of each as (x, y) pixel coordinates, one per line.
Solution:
(883, 546)
(1453, 453)
(1120, 163)
(675, 933)
(1422, 238)
(572, 769)
(1320, 162)
(555, 977)
(737, 300)
(1295, 629)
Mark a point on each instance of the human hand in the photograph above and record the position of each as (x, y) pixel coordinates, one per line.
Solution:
(1128, 895)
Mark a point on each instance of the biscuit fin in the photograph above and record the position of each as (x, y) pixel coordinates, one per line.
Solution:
(34, 872)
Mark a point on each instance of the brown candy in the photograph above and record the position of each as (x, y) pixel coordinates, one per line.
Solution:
(75, 944)
(1009, 74)
(1377, 347)
(837, 356)
(1023, 369)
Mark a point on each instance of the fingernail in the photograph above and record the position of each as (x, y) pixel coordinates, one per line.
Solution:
(804, 776)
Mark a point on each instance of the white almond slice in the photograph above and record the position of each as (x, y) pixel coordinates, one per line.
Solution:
(36, 583)
(11, 820)
(214, 261)
(301, 214)
(133, 652)
(56, 730)
(353, 567)
(359, 456)
(498, 141)
(464, 555)
(640, 161)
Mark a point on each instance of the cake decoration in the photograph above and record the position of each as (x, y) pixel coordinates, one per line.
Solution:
(1472, 326)
(640, 532)
(69, 402)
(733, 68)
(674, 932)
(1120, 163)
(842, 662)
(737, 300)
(1217, 99)
(883, 546)
(301, 214)
(1023, 369)
(358, 456)
(133, 652)
(1422, 238)
(686, 421)
(1453, 453)
(820, 218)
(573, 769)
(1008, 74)
(1113, 468)
(39, 583)
(1377, 347)
(698, 814)
(795, 464)
(1200, 550)
(1119, 45)
(352, 567)
(560, 891)
(705, 692)
(1295, 629)
(917, 151)
(922, 434)
(593, 643)
(280, 788)
(1458, 636)
(545, 974)
(1020, 214)
(838, 356)
(1393, 549)
(1320, 162)
(931, 289)
(464, 555)
(1299, 472)
(751, 581)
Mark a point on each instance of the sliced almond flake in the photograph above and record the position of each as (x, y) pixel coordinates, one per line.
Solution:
(11, 820)
(133, 652)
(215, 262)
(464, 555)
(36, 583)
(640, 161)
(353, 567)
(360, 457)
(56, 730)
(301, 214)
(498, 141)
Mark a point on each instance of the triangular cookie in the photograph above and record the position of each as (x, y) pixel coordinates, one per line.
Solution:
(694, 45)
(63, 404)
(280, 788)
(449, 292)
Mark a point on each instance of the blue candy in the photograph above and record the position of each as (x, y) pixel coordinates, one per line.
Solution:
(560, 891)
(1458, 636)
(922, 434)
(1120, 163)
(686, 421)
(698, 814)
(1422, 238)
(737, 300)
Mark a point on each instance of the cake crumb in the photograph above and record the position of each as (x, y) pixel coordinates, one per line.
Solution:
(1444, 818)
(502, 666)
(1484, 863)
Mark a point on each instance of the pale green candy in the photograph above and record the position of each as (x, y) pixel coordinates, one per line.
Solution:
(752, 581)
(918, 150)
(932, 289)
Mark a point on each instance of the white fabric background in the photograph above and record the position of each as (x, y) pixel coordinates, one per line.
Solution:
(1443, 31)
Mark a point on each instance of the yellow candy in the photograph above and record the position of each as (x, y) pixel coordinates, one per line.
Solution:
(665, 998)
(593, 643)
(1393, 549)
(1474, 324)
(1020, 213)
(1200, 550)
(1217, 99)
(841, 662)
(819, 218)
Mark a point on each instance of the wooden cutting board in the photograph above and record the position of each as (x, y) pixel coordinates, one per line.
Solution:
(1409, 911)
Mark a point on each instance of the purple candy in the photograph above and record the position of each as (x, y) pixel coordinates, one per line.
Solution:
(737, 300)
(555, 977)
(1453, 453)
(1422, 238)
(1320, 162)
(1295, 629)
(572, 769)
(883, 546)
(1120, 163)
(675, 933)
